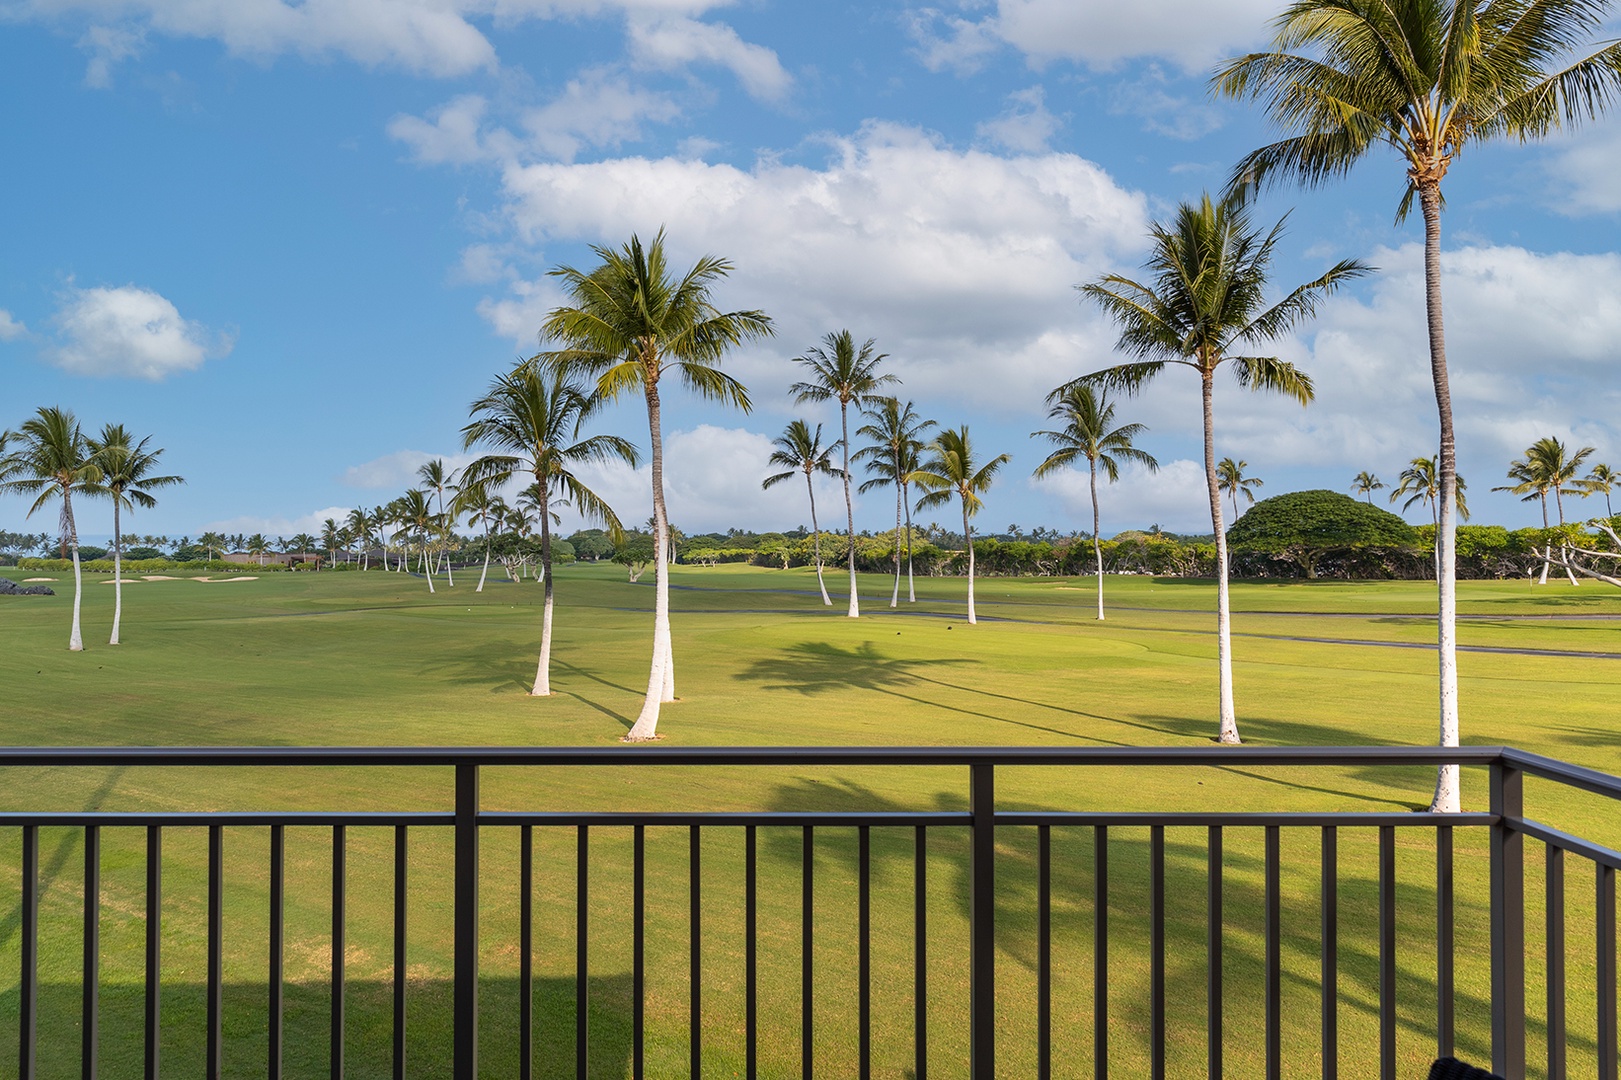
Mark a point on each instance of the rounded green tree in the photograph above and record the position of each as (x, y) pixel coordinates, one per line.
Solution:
(1307, 526)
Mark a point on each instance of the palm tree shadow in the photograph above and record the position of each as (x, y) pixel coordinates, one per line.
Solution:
(65, 847)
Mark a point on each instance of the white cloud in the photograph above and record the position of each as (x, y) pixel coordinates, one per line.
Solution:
(130, 331)
(397, 472)
(1583, 172)
(1025, 125)
(1174, 498)
(10, 328)
(273, 527)
(668, 44)
(958, 262)
(712, 479)
(453, 135)
(1148, 98)
(961, 45)
(107, 45)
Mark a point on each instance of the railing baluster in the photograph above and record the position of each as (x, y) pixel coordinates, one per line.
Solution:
(278, 863)
(526, 952)
(982, 922)
(465, 1007)
(401, 840)
(1330, 949)
(154, 948)
(1156, 948)
(1274, 960)
(214, 1063)
(1508, 922)
(750, 955)
(339, 947)
(920, 955)
(1554, 883)
(696, 967)
(1044, 953)
(90, 1013)
(1100, 952)
(28, 979)
(1605, 933)
(807, 944)
(863, 953)
(582, 971)
(1213, 952)
(638, 951)
(1387, 952)
(1445, 1022)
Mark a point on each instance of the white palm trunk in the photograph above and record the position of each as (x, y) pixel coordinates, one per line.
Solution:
(849, 508)
(486, 571)
(118, 572)
(75, 639)
(895, 596)
(906, 501)
(427, 570)
(543, 672)
(1224, 632)
(1097, 543)
(816, 541)
(968, 538)
(658, 682)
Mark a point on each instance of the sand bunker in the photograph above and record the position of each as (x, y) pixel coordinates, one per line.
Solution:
(158, 577)
(127, 581)
(223, 580)
(29, 580)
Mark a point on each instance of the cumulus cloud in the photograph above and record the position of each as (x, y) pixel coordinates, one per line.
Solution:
(1190, 33)
(131, 332)
(669, 44)
(960, 262)
(712, 481)
(10, 328)
(1582, 173)
(274, 527)
(397, 471)
(107, 46)
(1025, 125)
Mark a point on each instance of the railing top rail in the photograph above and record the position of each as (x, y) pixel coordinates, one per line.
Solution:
(307, 756)
(1575, 775)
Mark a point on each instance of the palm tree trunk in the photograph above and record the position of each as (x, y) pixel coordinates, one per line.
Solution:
(1564, 548)
(1446, 798)
(895, 596)
(1224, 630)
(906, 501)
(968, 538)
(646, 725)
(71, 534)
(1547, 545)
(543, 672)
(118, 570)
(849, 507)
(816, 541)
(427, 568)
(1097, 544)
(486, 571)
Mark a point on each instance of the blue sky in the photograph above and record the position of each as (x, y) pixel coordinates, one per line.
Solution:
(293, 241)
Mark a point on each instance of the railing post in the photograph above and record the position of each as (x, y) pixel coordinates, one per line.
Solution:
(465, 1065)
(1508, 922)
(982, 923)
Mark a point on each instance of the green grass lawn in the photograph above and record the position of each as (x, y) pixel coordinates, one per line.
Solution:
(350, 658)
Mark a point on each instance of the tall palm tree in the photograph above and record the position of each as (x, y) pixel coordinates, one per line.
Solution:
(1559, 468)
(1365, 483)
(257, 545)
(1089, 432)
(534, 417)
(474, 500)
(1206, 300)
(800, 450)
(213, 544)
(418, 519)
(127, 469)
(629, 322)
(1425, 78)
(950, 470)
(51, 459)
(362, 525)
(841, 371)
(1231, 479)
(892, 457)
(1531, 485)
(438, 478)
(1600, 480)
(1421, 483)
(331, 535)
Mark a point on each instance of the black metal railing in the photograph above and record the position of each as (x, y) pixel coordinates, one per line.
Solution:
(982, 822)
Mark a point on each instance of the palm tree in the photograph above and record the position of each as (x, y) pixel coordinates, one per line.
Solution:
(362, 524)
(1231, 479)
(1552, 460)
(437, 478)
(843, 372)
(1365, 483)
(1088, 432)
(1425, 78)
(535, 417)
(801, 450)
(950, 471)
(1600, 480)
(1421, 482)
(127, 477)
(892, 457)
(53, 460)
(417, 516)
(213, 543)
(629, 323)
(331, 537)
(1210, 275)
(257, 545)
(474, 500)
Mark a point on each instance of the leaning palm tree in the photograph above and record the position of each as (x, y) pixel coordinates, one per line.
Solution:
(127, 476)
(482, 510)
(533, 417)
(1531, 485)
(800, 450)
(438, 478)
(1425, 78)
(891, 457)
(629, 322)
(1231, 479)
(840, 371)
(1365, 483)
(950, 470)
(1599, 481)
(1088, 432)
(52, 459)
(1206, 300)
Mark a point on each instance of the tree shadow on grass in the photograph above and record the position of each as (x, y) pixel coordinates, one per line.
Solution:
(51, 866)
